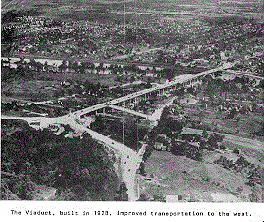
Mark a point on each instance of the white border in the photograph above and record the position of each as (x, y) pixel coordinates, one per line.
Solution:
(256, 210)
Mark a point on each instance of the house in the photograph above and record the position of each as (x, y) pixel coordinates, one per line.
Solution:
(160, 146)
(163, 142)
(224, 198)
(178, 198)
(189, 101)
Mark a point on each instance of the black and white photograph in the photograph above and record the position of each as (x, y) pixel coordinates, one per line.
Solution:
(132, 101)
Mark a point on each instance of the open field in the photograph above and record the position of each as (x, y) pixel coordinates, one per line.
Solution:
(182, 176)
(28, 90)
(107, 80)
(244, 126)
(44, 90)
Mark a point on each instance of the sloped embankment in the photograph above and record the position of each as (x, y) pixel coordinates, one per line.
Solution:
(40, 165)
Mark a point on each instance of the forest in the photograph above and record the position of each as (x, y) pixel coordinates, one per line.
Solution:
(79, 169)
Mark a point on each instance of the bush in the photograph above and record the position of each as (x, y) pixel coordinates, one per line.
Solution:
(222, 147)
(236, 151)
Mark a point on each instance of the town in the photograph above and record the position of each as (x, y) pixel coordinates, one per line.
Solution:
(137, 105)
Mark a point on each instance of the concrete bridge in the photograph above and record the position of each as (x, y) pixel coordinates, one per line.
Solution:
(184, 80)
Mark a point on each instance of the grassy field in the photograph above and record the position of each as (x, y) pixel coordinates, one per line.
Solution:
(107, 79)
(244, 126)
(44, 90)
(183, 176)
(28, 90)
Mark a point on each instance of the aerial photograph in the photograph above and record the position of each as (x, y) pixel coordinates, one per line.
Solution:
(132, 100)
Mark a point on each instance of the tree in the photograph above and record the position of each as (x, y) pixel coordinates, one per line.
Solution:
(75, 66)
(101, 66)
(39, 66)
(70, 92)
(98, 124)
(236, 151)
(32, 63)
(46, 66)
(122, 193)
(58, 93)
(222, 147)
(119, 79)
(81, 69)
(174, 125)
(212, 142)
(178, 148)
(261, 84)
(132, 79)
(205, 134)
(9, 34)
(159, 197)
(141, 169)
(241, 161)
(255, 196)
(164, 115)
(20, 71)
(143, 197)
(168, 74)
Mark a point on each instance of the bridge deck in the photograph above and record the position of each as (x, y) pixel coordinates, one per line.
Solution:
(129, 111)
